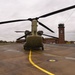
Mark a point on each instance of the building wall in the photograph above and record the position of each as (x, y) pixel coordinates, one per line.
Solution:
(61, 34)
(60, 40)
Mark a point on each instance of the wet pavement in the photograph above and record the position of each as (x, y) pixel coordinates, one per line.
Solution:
(57, 59)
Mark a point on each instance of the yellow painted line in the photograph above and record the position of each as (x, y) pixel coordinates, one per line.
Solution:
(43, 70)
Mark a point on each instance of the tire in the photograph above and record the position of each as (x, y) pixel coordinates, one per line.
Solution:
(42, 48)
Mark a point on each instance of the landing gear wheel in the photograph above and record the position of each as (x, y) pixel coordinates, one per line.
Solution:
(42, 48)
(25, 48)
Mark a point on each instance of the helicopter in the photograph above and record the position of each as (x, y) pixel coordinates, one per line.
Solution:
(34, 38)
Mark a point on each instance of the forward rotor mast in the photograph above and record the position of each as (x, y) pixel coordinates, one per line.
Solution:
(34, 27)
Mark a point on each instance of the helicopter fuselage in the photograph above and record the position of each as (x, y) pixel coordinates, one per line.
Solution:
(33, 42)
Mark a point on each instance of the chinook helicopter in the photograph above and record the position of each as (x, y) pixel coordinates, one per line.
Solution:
(34, 38)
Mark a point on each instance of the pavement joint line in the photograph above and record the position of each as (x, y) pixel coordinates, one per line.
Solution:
(70, 58)
(52, 55)
(35, 65)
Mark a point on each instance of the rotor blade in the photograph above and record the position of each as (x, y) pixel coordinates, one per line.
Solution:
(4, 22)
(21, 37)
(19, 31)
(58, 11)
(45, 26)
(49, 36)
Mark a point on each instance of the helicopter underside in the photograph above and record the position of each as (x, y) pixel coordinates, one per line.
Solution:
(34, 42)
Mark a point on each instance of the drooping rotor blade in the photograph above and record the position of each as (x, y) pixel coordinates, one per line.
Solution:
(19, 31)
(58, 11)
(45, 27)
(21, 37)
(4, 22)
(49, 36)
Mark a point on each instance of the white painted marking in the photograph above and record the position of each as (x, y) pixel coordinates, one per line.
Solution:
(71, 58)
(12, 51)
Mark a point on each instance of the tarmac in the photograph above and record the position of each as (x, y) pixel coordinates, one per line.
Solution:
(57, 59)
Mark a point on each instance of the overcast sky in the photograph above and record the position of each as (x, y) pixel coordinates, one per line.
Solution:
(23, 9)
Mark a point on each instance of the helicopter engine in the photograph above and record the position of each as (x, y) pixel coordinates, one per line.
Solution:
(40, 33)
(27, 33)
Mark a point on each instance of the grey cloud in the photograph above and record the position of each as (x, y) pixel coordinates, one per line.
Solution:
(17, 9)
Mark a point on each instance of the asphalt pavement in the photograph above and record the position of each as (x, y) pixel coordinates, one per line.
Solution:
(57, 59)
